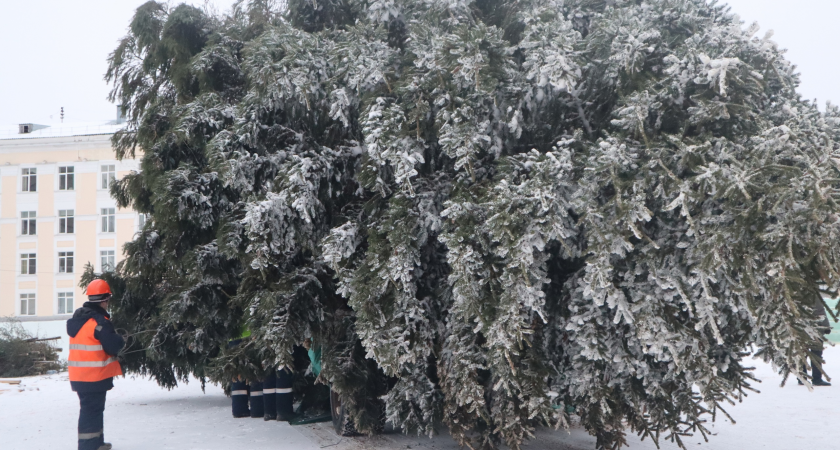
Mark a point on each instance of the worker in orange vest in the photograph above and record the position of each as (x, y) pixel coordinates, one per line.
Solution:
(92, 366)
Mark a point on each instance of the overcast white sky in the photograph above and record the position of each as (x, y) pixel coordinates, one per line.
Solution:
(53, 52)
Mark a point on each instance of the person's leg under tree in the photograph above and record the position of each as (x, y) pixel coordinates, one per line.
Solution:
(269, 388)
(239, 399)
(816, 375)
(815, 371)
(257, 400)
(91, 410)
(283, 395)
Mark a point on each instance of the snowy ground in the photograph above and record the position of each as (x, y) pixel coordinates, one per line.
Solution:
(41, 415)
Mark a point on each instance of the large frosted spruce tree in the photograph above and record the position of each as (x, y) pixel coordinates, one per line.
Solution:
(487, 213)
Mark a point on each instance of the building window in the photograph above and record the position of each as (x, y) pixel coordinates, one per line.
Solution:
(141, 221)
(65, 262)
(66, 221)
(66, 178)
(109, 220)
(27, 304)
(65, 303)
(108, 176)
(107, 257)
(27, 264)
(29, 180)
(27, 223)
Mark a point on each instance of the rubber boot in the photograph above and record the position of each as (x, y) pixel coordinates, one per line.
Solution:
(284, 396)
(257, 410)
(239, 399)
(269, 397)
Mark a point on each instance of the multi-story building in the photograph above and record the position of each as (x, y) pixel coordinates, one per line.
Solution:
(56, 216)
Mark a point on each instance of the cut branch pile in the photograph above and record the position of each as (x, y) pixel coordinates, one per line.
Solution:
(22, 355)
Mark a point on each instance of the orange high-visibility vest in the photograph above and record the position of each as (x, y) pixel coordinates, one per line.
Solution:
(88, 361)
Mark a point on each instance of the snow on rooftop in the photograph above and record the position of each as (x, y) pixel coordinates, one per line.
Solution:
(65, 129)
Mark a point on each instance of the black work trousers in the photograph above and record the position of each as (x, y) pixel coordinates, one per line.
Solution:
(269, 403)
(239, 399)
(256, 398)
(284, 397)
(816, 375)
(92, 407)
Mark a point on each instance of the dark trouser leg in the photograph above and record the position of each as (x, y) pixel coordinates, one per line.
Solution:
(269, 403)
(239, 398)
(284, 395)
(92, 407)
(816, 375)
(257, 399)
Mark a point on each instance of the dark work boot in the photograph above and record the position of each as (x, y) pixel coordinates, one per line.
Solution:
(816, 374)
(818, 380)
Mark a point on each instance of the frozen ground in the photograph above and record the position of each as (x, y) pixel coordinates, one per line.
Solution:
(41, 415)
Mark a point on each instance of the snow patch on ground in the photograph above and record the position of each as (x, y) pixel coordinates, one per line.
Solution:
(41, 413)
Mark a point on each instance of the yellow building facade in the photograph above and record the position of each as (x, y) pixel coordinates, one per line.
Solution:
(56, 215)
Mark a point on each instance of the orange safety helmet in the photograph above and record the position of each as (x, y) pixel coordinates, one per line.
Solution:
(98, 288)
